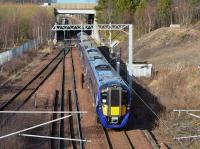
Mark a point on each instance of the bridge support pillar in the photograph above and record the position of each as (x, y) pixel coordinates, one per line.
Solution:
(55, 37)
(95, 32)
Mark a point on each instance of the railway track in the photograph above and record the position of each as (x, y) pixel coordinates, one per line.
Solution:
(23, 96)
(58, 128)
(114, 137)
(71, 122)
(62, 106)
(129, 140)
(67, 100)
(78, 118)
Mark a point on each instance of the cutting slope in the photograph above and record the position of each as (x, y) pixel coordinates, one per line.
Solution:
(175, 54)
(169, 46)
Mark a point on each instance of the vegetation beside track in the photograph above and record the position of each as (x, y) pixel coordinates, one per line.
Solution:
(19, 23)
(14, 69)
(174, 53)
(148, 15)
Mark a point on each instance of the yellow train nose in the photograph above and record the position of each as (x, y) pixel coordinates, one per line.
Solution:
(114, 111)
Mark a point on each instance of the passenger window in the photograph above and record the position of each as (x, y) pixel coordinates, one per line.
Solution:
(97, 57)
(103, 67)
(91, 50)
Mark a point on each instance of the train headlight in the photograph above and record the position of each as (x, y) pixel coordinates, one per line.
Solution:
(103, 100)
(128, 108)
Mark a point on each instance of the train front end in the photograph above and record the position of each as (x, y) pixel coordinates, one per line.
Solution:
(114, 105)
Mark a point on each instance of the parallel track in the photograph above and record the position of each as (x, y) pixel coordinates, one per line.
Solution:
(62, 106)
(58, 128)
(78, 118)
(71, 122)
(54, 127)
(74, 124)
(23, 96)
(31, 87)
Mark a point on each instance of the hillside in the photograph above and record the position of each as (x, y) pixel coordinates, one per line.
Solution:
(175, 54)
(167, 47)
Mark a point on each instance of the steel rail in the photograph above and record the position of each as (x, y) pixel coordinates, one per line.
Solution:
(128, 139)
(54, 125)
(109, 139)
(71, 124)
(62, 105)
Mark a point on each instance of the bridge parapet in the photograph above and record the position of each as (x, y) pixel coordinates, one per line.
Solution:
(75, 6)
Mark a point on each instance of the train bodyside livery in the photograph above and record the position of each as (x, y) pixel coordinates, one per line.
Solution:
(110, 93)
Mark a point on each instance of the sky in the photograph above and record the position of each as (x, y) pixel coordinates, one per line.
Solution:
(76, 1)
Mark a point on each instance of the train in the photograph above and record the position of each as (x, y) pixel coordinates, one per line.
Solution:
(111, 95)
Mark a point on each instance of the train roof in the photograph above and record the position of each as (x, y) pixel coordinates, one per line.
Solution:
(103, 71)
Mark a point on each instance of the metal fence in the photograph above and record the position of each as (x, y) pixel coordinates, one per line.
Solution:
(8, 55)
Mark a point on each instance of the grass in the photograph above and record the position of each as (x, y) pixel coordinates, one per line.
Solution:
(177, 88)
(18, 64)
(174, 54)
(178, 125)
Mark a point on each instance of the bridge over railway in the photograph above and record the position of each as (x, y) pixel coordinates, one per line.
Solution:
(74, 6)
(75, 13)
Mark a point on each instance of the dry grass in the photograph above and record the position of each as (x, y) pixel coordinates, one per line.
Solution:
(16, 64)
(167, 47)
(178, 126)
(177, 88)
(176, 82)
(23, 121)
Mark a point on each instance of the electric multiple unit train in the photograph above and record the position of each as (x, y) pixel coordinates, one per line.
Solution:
(111, 95)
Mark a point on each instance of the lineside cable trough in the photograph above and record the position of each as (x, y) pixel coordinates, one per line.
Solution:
(21, 132)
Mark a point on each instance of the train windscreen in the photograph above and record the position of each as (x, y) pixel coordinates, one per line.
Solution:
(115, 97)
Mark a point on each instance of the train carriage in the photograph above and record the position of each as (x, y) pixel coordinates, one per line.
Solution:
(110, 93)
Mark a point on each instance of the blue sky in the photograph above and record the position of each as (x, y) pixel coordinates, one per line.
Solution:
(76, 1)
